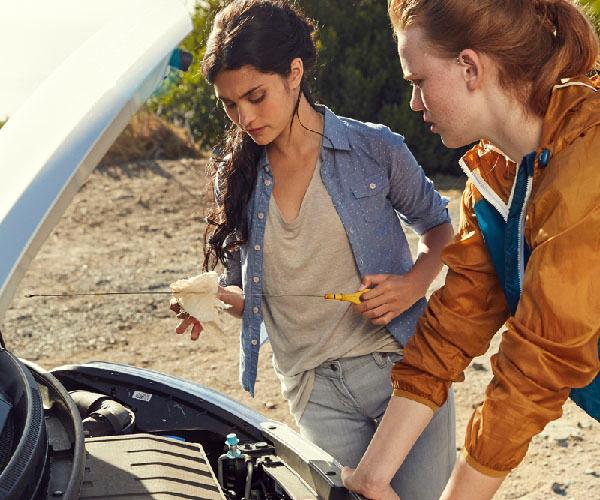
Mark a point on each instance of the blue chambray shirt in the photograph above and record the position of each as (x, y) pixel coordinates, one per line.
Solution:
(374, 182)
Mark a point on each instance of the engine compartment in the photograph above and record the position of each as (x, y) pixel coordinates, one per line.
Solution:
(115, 431)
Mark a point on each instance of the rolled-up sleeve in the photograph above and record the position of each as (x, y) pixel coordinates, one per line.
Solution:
(412, 193)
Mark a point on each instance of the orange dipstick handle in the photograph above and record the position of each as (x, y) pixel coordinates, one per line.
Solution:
(347, 297)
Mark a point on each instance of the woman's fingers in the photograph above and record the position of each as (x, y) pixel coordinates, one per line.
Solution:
(186, 322)
(183, 326)
(385, 319)
(196, 329)
(379, 300)
(378, 311)
(174, 306)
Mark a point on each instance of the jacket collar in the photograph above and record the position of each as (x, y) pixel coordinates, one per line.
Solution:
(335, 131)
(573, 108)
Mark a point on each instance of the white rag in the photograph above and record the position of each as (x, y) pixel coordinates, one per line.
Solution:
(198, 297)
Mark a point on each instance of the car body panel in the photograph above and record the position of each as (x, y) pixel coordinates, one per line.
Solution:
(51, 144)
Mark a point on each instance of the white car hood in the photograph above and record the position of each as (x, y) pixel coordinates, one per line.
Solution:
(52, 143)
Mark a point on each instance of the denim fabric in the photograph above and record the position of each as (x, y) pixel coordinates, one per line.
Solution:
(374, 182)
(347, 403)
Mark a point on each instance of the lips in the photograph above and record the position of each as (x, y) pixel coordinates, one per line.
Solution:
(254, 131)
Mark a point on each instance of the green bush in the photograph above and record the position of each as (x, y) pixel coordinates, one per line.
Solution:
(359, 75)
(191, 101)
(593, 5)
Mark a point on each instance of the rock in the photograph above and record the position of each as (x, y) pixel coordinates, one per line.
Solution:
(269, 405)
(561, 432)
(560, 488)
(585, 425)
(591, 472)
(479, 367)
(143, 201)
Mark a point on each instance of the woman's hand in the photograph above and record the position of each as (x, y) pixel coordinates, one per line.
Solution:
(354, 482)
(392, 294)
(233, 296)
(186, 322)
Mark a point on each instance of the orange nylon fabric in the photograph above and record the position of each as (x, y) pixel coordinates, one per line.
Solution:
(551, 344)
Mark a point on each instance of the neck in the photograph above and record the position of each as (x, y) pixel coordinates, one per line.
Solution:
(296, 139)
(517, 133)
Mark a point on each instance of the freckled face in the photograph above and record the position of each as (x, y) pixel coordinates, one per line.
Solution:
(261, 104)
(439, 90)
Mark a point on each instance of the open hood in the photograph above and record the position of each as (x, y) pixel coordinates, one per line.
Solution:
(52, 143)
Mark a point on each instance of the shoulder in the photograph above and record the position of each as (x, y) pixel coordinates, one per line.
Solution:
(571, 179)
(372, 134)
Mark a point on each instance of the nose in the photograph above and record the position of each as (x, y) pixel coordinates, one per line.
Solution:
(416, 101)
(245, 116)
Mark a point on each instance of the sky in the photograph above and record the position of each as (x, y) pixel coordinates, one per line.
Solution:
(37, 35)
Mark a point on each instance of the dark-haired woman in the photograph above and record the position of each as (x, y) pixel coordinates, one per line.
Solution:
(527, 255)
(307, 203)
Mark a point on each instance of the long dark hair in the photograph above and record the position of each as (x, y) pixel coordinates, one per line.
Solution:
(267, 35)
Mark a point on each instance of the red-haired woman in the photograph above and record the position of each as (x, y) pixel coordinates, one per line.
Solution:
(510, 74)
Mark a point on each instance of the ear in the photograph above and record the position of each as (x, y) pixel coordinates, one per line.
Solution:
(472, 68)
(296, 73)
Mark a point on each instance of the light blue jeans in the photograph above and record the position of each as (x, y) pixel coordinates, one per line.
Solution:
(347, 403)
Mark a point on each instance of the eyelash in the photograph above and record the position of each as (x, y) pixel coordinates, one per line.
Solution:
(258, 100)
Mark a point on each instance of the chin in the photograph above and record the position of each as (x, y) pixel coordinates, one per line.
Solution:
(262, 140)
(454, 142)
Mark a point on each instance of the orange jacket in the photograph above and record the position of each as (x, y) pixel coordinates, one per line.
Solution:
(550, 344)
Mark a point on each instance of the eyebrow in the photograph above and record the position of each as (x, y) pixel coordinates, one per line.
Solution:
(223, 98)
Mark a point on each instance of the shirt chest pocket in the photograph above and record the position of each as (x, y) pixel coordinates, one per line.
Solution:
(371, 195)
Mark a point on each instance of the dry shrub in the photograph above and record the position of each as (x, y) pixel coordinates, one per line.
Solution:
(148, 137)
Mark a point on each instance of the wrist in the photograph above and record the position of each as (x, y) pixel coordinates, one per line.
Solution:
(369, 483)
(420, 279)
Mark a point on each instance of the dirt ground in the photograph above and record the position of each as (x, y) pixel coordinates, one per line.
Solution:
(139, 227)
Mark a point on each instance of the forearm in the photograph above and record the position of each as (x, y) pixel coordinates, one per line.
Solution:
(429, 261)
(402, 424)
(466, 483)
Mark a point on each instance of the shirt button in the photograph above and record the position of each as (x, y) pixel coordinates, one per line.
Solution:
(254, 342)
(372, 185)
(255, 310)
(268, 182)
(256, 279)
(257, 248)
(261, 215)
